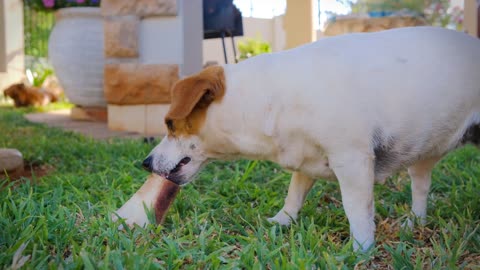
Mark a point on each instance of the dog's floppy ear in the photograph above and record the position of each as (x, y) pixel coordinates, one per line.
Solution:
(14, 90)
(196, 92)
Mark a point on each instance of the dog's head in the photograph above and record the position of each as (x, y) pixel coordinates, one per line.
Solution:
(181, 154)
(16, 92)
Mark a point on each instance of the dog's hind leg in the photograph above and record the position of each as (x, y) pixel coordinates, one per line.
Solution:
(300, 185)
(421, 174)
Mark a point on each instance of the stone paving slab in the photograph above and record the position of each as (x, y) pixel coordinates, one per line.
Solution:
(96, 130)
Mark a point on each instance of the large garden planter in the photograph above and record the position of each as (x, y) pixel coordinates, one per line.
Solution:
(75, 50)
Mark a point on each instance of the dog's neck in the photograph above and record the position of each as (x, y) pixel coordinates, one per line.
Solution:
(238, 127)
(229, 137)
(250, 123)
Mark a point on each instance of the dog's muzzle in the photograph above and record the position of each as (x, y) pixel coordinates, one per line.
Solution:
(173, 175)
(147, 164)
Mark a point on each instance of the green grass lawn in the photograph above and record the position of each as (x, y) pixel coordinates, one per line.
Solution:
(219, 221)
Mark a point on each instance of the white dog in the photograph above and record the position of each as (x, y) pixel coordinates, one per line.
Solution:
(355, 108)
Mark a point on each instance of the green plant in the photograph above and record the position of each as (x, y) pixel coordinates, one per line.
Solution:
(253, 46)
(436, 12)
(38, 77)
(442, 13)
(37, 70)
(37, 27)
(56, 4)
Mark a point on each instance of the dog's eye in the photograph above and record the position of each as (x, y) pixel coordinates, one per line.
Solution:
(169, 124)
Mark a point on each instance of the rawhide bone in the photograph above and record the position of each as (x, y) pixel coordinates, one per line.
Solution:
(157, 193)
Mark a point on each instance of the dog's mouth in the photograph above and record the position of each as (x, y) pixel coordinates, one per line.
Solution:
(180, 164)
(173, 174)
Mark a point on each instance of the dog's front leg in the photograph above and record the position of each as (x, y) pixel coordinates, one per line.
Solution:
(355, 175)
(300, 185)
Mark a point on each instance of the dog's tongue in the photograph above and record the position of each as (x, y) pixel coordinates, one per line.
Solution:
(166, 195)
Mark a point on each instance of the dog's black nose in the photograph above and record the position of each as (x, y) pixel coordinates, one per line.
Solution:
(147, 164)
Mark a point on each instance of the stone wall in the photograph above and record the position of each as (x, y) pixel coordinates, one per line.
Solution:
(367, 24)
(149, 45)
(127, 80)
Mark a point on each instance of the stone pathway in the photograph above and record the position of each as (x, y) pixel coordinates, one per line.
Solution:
(96, 130)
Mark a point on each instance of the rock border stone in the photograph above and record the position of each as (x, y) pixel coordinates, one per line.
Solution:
(11, 160)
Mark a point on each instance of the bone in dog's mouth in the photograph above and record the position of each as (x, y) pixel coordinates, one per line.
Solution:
(180, 164)
(172, 175)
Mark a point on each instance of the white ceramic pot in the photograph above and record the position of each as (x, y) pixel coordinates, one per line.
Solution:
(75, 49)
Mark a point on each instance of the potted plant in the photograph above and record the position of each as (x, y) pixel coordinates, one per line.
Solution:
(75, 49)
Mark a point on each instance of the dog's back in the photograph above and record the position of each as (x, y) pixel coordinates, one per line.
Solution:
(413, 92)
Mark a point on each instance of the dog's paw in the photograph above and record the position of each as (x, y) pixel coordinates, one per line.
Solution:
(363, 247)
(411, 221)
(282, 218)
(408, 224)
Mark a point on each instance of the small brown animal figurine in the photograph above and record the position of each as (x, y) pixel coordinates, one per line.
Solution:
(25, 96)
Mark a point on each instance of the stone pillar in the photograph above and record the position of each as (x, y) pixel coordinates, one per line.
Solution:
(149, 45)
(299, 23)
(12, 67)
(471, 21)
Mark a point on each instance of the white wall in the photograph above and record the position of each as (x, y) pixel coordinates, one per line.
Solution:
(159, 40)
(270, 30)
(11, 20)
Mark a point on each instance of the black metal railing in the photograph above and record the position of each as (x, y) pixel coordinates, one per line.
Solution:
(37, 27)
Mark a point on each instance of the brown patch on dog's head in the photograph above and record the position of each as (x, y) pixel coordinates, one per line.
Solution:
(191, 98)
